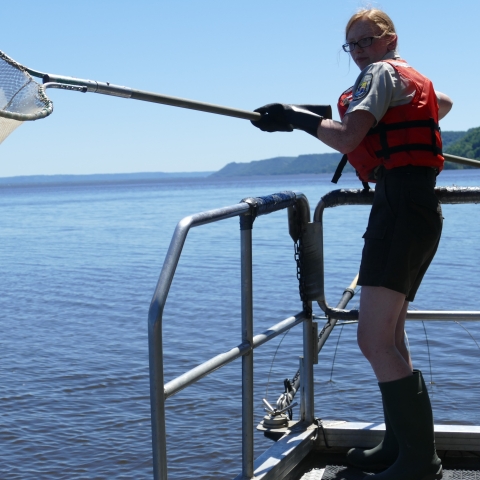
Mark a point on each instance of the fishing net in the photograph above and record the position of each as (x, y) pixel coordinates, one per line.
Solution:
(7, 126)
(21, 97)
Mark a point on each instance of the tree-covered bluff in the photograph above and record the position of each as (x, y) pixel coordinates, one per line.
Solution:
(462, 144)
(467, 146)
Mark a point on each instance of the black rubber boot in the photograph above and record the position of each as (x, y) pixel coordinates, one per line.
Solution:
(383, 455)
(378, 458)
(408, 408)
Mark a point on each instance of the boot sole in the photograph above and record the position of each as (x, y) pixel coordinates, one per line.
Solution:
(430, 476)
(435, 476)
(374, 468)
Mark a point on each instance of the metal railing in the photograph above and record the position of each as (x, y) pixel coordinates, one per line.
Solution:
(248, 210)
(300, 228)
(335, 198)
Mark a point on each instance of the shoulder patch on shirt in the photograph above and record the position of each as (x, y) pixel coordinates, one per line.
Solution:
(363, 87)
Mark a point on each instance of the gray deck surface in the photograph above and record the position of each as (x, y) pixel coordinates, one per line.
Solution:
(315, 467)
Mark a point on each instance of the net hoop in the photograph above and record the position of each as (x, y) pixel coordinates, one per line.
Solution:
(46, 104)
(22, 117)
(12, 62)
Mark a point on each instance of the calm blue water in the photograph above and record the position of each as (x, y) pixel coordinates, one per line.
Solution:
(79, 267)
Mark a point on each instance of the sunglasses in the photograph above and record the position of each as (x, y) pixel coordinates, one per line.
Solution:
(362, 43)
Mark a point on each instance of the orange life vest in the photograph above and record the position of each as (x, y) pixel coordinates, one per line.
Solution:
(406, 135)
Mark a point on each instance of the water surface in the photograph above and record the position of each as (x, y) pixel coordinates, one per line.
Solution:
(79, 267)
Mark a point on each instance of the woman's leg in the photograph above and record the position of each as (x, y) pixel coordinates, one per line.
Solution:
(405, 398)
(385, 454)
(400, 335)
(381, 310)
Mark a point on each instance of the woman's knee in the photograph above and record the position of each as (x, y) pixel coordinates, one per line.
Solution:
(375, 343)
(367, 343)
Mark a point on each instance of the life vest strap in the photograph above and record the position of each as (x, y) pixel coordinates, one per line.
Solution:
(430, 123)
(386, 152)
(382, 128)
(339, 169)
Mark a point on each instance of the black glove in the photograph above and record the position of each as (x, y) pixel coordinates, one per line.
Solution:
(273, 118)
(324, 111)
(277, 117)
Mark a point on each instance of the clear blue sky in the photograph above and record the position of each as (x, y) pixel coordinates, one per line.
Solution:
(241, 54)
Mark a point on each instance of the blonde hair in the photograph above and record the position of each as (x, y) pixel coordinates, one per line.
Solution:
(378, 17)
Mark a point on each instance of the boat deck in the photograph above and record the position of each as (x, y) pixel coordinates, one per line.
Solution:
(318, 466)
(318, 452)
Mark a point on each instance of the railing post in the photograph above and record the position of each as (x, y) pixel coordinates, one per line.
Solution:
(246, 223)
(307, 376)
(155, 315)
(157, 398)
(302, 392)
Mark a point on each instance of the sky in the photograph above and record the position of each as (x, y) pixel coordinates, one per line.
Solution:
(240, 54)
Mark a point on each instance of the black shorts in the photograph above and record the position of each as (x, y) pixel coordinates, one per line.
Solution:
(403, 230)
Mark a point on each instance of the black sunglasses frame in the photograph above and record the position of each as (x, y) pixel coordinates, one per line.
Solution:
(347, 47)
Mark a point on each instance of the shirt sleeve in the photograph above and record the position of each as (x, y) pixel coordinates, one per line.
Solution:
(374, 90)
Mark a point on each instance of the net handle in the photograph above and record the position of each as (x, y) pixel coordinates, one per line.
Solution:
(106, 88)
(461, 160)
(125, 92)
(64, 82)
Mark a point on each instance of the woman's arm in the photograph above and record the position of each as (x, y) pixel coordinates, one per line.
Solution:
(444, 104)
(347, 135)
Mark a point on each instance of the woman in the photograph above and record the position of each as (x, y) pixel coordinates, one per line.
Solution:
(389, 131)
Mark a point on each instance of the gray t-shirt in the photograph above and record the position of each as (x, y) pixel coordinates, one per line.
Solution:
(380, 87)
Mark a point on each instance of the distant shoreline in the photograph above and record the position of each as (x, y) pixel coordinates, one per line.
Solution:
(126, 178)
(456, 143)
(96, 178)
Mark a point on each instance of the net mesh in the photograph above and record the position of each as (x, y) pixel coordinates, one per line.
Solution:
(21, 97)
(7, 126)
